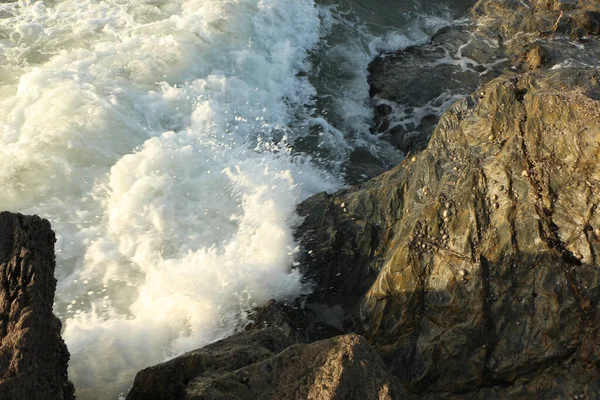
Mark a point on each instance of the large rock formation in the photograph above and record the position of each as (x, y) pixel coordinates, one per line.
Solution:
(486, 245)
(254, 365)
(33, 356)
(472, 268)
(479, 254)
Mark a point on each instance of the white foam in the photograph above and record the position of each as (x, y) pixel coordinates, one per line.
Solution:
(152, 134)
(349, 45)
(145, 133)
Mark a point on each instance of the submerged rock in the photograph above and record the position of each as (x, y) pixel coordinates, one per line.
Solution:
(263, 364)
(412, 87)
(33, 356)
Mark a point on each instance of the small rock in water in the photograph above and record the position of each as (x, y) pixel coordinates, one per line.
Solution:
(447, 213)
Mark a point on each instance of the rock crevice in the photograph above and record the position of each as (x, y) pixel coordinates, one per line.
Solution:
(470, 270)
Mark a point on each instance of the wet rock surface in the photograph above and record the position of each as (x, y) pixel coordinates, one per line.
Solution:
(491, 272)
(487, 248)
(264, 364)
(33, 356)
(412, 87)
(470, 270)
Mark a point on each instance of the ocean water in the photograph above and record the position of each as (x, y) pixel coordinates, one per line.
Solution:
(169, 142)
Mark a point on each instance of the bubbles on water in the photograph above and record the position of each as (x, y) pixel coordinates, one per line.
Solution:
(162, 139)
(154, 139)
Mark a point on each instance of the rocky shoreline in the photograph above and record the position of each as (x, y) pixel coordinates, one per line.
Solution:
(33, 356)
(469, 271)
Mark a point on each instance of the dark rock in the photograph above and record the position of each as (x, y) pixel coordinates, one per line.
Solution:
(176, 378)
(340, 257)
(33, 356)
(411, 88)
(300, 323)
(252, 365)
(362, 165)
(472, 299)
(291, 321)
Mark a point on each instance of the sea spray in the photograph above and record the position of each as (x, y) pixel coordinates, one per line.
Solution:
(153, 136)
(162, 140)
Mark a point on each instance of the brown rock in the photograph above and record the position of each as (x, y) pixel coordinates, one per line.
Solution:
(576, 18)
(507, 308)
(535, 58)
(172, 379)
(33, 356)
(429, 326)
(251, 365)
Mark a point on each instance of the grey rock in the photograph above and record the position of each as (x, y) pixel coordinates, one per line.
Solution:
(411, 88)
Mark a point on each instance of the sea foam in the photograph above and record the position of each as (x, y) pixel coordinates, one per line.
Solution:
(153, 136)
(160, 138)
